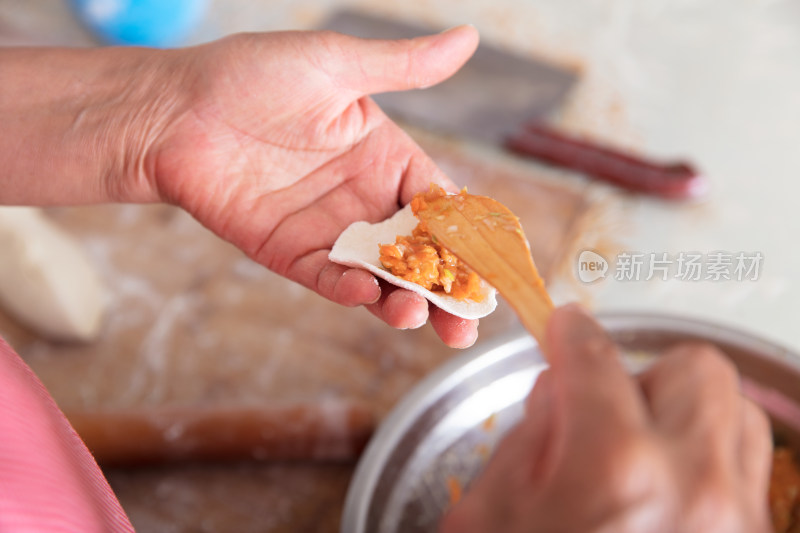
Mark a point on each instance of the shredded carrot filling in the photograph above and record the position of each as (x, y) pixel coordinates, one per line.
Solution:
(490, 423)
(454, 489)
(784, 492)
(420, 259)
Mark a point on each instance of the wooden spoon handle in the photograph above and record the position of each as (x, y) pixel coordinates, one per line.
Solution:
(533, 307)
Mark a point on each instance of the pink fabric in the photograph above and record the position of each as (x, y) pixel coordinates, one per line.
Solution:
(49, 481)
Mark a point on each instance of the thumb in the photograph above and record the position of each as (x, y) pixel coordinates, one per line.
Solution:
(590, 380)
(374, 66)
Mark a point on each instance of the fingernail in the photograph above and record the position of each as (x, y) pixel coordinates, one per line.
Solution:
(451, 28)
(378, 297)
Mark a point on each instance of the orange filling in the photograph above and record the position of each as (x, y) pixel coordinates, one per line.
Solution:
(784, 492)
(419, 258)
(454, 489)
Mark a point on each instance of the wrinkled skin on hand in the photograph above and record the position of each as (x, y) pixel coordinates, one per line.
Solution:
(676, 450)
(275, 145)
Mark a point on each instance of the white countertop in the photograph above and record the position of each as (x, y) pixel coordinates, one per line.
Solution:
(717, 82)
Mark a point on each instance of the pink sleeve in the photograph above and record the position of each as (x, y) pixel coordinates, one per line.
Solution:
(48, 479)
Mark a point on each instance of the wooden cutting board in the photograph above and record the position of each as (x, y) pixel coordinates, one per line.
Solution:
(193, 322)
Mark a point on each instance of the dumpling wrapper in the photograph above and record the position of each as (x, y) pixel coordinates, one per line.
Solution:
(358, 246)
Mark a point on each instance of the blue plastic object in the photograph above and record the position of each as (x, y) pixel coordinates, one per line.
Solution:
(159, 23)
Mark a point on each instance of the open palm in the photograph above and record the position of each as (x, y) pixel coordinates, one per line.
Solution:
(277, 147)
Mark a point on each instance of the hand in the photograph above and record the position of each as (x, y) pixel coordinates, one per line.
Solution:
(676, 450)
(275, 146)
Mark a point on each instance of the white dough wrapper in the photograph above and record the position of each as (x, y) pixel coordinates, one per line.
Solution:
(357, 246)
(46, 280)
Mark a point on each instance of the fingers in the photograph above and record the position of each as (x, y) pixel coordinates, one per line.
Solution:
(372, 66)
(397, 307)
(418, 175)
(695, 401)
(755, 447)
(454, 331)
(344, 285)
(400, 308)
(593, 389)
(539, 417)
(541, 396)
(693, 394)
(404, 309)
(352, 286)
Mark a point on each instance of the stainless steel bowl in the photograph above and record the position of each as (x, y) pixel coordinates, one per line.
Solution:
(444, 430)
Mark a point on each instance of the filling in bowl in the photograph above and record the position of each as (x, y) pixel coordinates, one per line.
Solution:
(784, 491)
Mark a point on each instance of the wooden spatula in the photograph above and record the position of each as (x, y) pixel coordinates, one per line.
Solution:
(488, 237)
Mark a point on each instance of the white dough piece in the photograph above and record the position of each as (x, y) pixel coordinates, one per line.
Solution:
(357, 246)
(46, 280)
